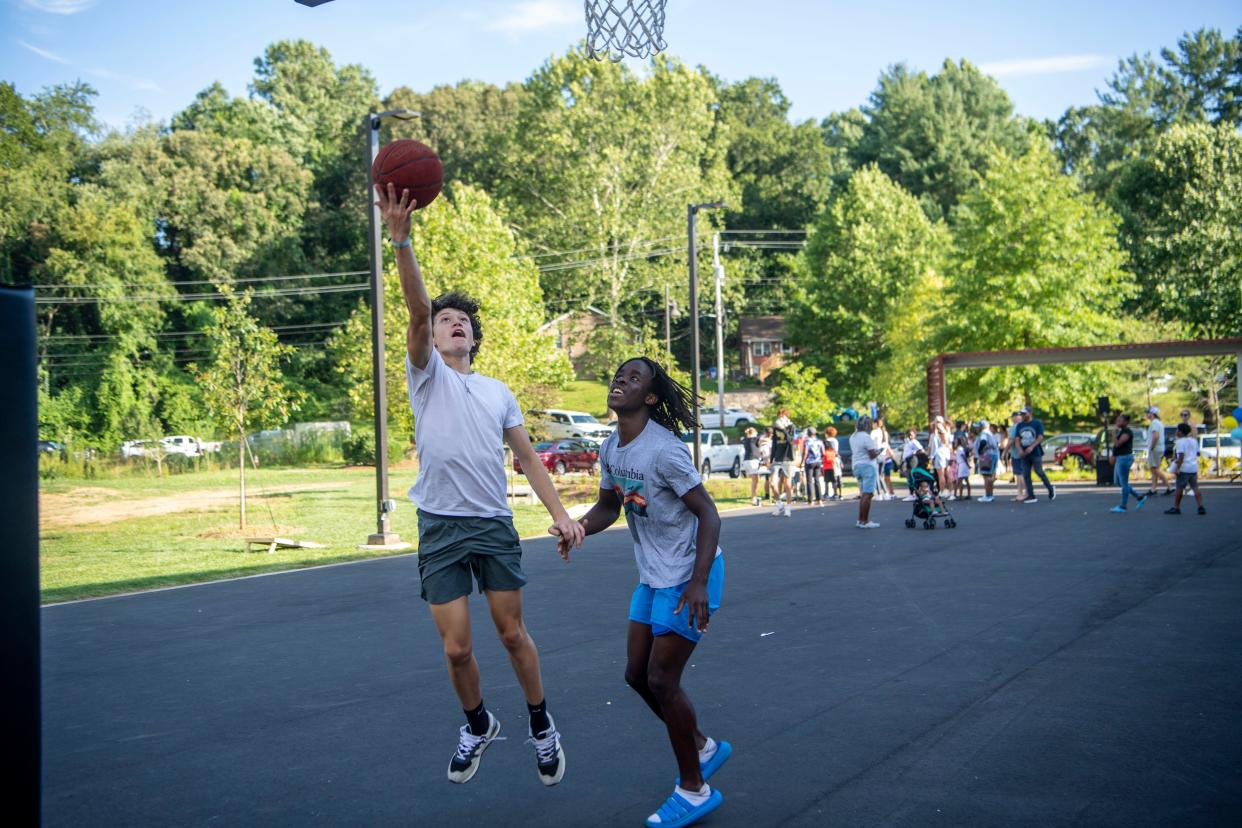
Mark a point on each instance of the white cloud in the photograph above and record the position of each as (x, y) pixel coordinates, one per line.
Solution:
(137, 83)
(534, 15)
(1045, 66)
(65, 7)
(43, 53)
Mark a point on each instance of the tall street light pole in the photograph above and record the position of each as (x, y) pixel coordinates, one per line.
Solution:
(384, 536)
(718, 272)
(691, 211)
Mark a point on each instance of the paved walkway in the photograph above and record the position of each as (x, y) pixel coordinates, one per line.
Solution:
(1041, 665)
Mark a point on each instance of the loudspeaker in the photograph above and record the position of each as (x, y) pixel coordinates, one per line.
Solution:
(1103, 406)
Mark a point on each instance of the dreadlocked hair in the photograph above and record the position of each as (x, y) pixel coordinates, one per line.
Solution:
(675, 408)
(468, 305)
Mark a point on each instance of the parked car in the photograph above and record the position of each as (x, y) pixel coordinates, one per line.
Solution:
(1227, 447)
(559, 423)
(711, 417)
(716, 452)
(181, 444)
(1075, 448)
(50, 447)
(560, 456)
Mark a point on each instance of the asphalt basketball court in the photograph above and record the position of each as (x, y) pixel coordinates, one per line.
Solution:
(1049, 664)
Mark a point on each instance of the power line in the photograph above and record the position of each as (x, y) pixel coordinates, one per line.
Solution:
(198, 297)
(255, 279)
(178, 334)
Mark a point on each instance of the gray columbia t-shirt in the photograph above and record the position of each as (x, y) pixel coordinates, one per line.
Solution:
(459, 424)
(650, 475)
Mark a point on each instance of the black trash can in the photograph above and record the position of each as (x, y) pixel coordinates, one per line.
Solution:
(1103, 472)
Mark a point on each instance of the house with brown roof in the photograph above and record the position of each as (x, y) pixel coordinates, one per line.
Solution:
(763, 346)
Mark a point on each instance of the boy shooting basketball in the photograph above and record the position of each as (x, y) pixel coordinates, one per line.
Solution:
(646, 470)
(465, 525)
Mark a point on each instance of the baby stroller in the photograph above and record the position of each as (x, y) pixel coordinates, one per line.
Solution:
(923, 486)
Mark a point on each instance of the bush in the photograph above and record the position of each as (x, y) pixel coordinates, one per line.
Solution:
(359, 448)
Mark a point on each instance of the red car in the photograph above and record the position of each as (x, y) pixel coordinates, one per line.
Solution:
(561, 456)
(1072, 448)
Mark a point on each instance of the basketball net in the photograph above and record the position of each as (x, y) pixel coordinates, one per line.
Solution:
(617, 28)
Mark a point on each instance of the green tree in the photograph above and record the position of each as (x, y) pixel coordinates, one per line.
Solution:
(464, 244)
(1035, 264)
(642, 148)
(243, 386)
(864, 255)
(608, 347)
(783, 170)
(1199, 82)
(1183, 228)
(463, 123)
(934, 134)
(803, 392)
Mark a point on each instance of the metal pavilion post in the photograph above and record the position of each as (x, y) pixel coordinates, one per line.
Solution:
(383, 536)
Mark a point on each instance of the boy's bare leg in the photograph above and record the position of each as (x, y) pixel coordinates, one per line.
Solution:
(506, 609)
(453, 623)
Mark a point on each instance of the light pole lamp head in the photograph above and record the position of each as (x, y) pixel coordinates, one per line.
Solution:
(711, 205)
(375, 118)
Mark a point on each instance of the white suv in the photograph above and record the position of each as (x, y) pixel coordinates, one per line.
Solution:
(559, 423)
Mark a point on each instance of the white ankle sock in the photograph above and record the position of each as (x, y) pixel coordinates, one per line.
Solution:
(708, 750)
(695, 798)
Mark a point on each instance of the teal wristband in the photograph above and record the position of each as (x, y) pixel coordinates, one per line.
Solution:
(397, 245)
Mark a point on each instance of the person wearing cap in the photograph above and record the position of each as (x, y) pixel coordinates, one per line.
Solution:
(1155, 452)
(1016, 461)
(1030, 435)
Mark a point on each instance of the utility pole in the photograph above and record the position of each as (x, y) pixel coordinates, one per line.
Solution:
(718, 272)
(668, 325)
(691, 211)
(383, 537)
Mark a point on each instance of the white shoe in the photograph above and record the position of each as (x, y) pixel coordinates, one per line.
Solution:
(549, 756)
(909, 499)
(465, 762)
(787, 512)
(779, 510)
(754, 501)
(868, 525)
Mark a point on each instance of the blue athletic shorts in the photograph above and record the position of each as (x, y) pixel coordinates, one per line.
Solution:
(654, 607)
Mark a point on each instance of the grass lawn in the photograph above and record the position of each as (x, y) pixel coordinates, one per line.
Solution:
(586, 395)
(122, 535)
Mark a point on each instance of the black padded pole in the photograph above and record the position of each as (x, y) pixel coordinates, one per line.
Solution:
(20, 721)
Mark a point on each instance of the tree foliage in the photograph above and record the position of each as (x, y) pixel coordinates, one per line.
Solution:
(933, 134)
(1035, 264)
(802, 391)
(864, 255)
(642, 148)
(1183, 228)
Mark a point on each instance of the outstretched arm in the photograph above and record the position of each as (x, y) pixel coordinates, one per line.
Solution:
(701, 505)
(396, 215)
(568, 529)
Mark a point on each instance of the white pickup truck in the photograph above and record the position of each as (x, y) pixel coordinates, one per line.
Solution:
(716, 452)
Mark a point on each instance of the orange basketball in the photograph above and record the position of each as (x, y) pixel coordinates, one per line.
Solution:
(409, 165)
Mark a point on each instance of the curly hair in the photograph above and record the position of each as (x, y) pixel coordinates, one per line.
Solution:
(468, 305)
(675, 407)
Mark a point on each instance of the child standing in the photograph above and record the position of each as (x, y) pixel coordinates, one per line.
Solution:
(1186, 465)
(961, 456)
(646, 471)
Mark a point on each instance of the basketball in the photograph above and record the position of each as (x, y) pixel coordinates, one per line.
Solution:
(409, 165)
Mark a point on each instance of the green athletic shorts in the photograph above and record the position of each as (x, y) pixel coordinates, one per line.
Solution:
(452, 550)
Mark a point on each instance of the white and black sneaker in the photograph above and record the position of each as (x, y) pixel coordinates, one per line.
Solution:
(549, 754)
(465, 762)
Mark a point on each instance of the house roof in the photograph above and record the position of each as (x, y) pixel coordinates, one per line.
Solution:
(589, 310)
(761, 327)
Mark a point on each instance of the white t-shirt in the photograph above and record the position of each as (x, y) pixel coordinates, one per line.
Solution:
(1188, 447)
(860, 442)
(459, 424)
(1155, 437)
(910, 448)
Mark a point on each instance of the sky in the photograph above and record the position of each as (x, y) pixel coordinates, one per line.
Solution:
(148, 58)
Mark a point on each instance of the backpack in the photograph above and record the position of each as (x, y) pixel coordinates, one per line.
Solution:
(987, 461)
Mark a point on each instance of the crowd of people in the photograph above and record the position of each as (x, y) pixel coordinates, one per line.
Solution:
(792, 464)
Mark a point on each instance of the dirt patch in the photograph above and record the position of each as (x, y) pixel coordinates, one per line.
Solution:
(86, 506)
